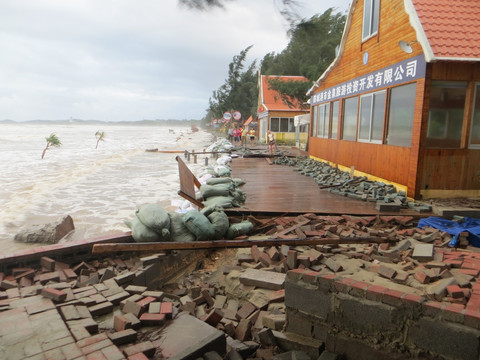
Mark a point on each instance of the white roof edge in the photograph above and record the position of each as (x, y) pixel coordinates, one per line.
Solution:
(340, 50)
(420, 33)
(466, 59)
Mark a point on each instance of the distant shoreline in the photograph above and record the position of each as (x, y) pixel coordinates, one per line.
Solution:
(157, 122)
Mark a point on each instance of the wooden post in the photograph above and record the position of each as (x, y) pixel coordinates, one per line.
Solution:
(194, 158)
(206, 161)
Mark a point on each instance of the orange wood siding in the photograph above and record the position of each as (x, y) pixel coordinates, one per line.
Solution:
(453, 169)
(394, 163)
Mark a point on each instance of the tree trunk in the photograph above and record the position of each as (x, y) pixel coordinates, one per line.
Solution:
(44, 151)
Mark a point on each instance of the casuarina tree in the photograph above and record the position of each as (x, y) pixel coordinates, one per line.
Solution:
(52, 140)
(100, 135)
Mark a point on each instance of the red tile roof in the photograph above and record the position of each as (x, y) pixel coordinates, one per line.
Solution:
(272, 100)
(451, 27)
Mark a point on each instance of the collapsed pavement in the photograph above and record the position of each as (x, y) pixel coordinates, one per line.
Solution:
(373, 300)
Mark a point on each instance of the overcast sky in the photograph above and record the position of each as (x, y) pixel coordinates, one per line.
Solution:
(118, 60)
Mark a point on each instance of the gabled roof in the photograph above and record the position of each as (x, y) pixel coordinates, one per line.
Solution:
(447, 29)
(272, 100)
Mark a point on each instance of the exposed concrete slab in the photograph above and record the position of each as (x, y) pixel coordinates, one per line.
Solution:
(263, 279)
(187, 338)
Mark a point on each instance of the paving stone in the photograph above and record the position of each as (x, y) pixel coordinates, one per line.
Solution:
(134, 289)
(145, 347)
(54, 294)
(133, 308)
(101, 309)
(244, 330)
(47, 263)
(133, 320)
(263, 279)
(245, 311)
(166, 308)
(123, 337)
(149, 319)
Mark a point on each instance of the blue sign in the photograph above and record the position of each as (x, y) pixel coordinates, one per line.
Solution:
(399, 73)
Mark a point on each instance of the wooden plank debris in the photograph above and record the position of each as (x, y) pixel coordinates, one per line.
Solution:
(161, 246)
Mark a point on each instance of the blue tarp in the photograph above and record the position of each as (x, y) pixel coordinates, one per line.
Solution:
(455, 228)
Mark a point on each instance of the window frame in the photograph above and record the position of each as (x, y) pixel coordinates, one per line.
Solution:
(369, 18)
(371, 117)
(449, 120)
(476, 92)
(344, 108)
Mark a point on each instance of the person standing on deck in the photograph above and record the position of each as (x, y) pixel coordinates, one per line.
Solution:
(271, 142)
(230, 134)
(251, 135)
(244, 135)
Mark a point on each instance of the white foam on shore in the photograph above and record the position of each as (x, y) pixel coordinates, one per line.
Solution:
(100, 188)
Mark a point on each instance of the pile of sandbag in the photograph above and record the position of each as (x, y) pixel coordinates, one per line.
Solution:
(153, 224)
(222, 192)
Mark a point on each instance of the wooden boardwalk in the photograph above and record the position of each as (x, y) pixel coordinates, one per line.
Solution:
(280, 189)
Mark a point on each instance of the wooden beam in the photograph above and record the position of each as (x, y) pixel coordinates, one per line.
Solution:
(214, 244)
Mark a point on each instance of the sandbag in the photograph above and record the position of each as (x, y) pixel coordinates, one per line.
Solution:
(222, 170)
(215, 190)
(239, 196)
(156, 218)
(207, 210)
(178, 231)
(238, 181)
(141, 232)
(219, 180)
(220, 223)
(199, 225)
(224, 202)
(239, 229)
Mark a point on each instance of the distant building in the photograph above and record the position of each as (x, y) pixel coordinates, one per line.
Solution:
(401, 101)
(277, 114)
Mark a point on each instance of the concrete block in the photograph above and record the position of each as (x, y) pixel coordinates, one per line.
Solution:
(289, 342)
(263, 279)
(202, 338)
(445, 339)
(134, 289)
(166, 308)
(307, 299)
(274, 321)
(423, 252)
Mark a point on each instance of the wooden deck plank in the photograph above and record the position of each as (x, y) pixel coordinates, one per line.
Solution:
(280, 189)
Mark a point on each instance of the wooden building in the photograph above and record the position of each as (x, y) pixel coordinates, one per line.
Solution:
(276, 113)
(401, 101)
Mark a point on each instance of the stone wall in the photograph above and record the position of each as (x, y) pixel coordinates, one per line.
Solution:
(364, 321)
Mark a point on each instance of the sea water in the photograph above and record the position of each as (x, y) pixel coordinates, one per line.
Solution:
(100, 187)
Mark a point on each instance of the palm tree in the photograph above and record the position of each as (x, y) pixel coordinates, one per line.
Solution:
(52, 140)
(100, 135)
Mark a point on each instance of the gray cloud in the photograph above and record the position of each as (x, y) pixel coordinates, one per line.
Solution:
(126, 60)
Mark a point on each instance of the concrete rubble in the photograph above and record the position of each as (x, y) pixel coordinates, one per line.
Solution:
(232, 307)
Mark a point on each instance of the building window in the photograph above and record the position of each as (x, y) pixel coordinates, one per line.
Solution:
(323, 123)
(282, 124)
(400, 115)
(334, 121)
(372, 114)
(445, 115)
(350, 108)
(371, 14)
(315, 121)
(475, 130)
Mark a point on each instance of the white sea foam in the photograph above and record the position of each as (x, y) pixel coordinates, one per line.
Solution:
(100, 188)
